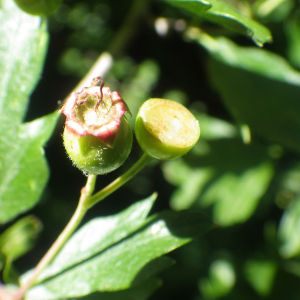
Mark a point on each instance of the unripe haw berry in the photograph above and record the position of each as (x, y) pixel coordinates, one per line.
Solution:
(38, 7)
(97, 136)
(166, 129)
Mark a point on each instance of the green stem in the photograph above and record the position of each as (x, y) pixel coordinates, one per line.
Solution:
(63, 237)
(140, 164)
(86, 201)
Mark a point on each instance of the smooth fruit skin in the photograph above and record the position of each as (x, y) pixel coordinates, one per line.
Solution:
(91, 155)
(166, 129)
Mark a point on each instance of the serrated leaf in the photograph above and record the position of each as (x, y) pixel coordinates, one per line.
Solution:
(223, 14)
(128, 262)
(228, 17)
(23, 169)
(99, 234)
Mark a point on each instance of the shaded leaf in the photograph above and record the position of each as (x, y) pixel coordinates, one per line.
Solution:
(128, 262)
(19, 238)
(141, 292)
(221, 172)
(292, 30)
(258, 87)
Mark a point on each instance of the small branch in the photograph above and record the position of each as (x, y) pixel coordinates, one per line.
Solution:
(63, 237)
(139, 165)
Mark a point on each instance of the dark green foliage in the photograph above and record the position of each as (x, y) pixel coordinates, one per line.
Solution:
(242, 178)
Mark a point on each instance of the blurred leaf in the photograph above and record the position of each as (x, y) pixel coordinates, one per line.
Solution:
(221, 172)
(260, 89)
(127, 263)
(220, 12)
(16, 241)
(292, 30)
(272, 11)
(261, 275)
(99, 234)
(136, 90)
(237, 196)
(23, 169)
(220, 282)
(289, 230)
(19, 238)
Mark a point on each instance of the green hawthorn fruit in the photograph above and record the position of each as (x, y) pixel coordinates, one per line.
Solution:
(97, 136)
(166, 129)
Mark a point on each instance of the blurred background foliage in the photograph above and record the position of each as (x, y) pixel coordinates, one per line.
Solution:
(245, 169)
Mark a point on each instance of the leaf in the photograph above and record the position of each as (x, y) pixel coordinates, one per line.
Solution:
(19, 238)
(23, 169)
(258, 87)
(228, 17)
(292, 30)
(261, 275)
(221, 280)
(220, 172)
(127, 263)
(223, 14)
(99, 234)
(289, 231)
(198, 7)
(141, 292)
(23, 43)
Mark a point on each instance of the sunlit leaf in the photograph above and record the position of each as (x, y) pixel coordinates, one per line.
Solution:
(23, 169)
(222, 13)
(127, 263)
(198, 7)
(99, 234)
